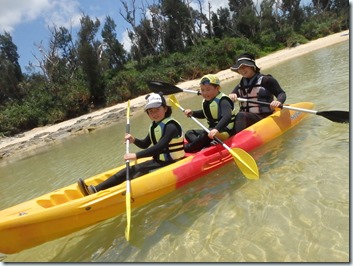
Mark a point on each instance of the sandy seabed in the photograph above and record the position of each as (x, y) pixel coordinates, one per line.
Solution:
(51, 134)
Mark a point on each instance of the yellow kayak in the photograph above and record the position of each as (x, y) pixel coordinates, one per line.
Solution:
(66, 210)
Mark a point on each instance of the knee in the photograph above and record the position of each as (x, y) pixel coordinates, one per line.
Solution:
(240, 116)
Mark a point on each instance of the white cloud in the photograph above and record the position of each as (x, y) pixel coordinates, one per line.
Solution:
(126, 42)
(64, 13)
(54, 12)
(14, 12)
(215, 4)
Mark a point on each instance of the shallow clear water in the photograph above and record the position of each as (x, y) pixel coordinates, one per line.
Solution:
(298, 211)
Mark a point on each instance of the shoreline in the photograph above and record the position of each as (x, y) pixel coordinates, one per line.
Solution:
(52, 134)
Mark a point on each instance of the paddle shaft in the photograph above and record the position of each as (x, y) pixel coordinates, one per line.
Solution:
(128, 185)
(335, 116)
(127, 141)
(191, 91)
(281, 106)
(201, 125)
(128, 146)
(204, 128)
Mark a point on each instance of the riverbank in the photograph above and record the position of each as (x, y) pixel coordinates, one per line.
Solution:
(51, 134)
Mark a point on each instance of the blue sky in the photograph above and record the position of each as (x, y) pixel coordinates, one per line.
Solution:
(28, 20)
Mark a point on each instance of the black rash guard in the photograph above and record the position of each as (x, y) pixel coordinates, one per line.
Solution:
(171, 131)
(226, 109)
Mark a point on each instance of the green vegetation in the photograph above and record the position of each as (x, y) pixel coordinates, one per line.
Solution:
(79, 74)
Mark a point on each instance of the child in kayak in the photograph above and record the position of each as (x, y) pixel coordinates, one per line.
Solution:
(219, 111)
(254, 86)
(166, 135)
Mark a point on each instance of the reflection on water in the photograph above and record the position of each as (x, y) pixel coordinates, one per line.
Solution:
(298, 211)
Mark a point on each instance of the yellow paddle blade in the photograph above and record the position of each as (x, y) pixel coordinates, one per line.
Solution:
(128, 215)
(173, 102)
(245, 162)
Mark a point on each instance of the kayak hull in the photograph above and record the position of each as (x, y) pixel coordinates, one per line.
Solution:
(66, 210)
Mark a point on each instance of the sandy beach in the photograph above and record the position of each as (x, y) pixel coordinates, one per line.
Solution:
(51, 134)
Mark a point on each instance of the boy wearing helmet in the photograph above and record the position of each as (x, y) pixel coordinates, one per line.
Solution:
(217, 108)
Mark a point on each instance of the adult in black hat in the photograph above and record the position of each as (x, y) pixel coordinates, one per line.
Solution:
(245, 59)
(254, 86)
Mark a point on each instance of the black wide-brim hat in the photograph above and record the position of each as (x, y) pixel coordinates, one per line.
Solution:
(247, 60)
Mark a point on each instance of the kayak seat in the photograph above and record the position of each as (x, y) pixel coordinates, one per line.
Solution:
(60, 198)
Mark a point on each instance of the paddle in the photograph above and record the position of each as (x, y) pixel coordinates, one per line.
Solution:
(244, 161)
(128, 184)
(335, 116)
(167, 88)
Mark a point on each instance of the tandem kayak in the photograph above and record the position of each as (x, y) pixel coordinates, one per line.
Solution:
(66, 210)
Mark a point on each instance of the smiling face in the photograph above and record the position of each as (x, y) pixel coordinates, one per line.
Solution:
(246, 71)
(157, 114)
(209, 91)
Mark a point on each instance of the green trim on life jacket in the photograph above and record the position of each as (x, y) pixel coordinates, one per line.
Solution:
(175, 149)
(213, 113)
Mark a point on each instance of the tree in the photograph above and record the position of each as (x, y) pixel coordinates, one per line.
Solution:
(222, 24)
(268, 21)
(178, 25)
(10, 70)
(112, 50)
(146, 38)
(130, 18)
(88, 54)
(59, 60)
(245, 18)
(293, 13)
(67, 51)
